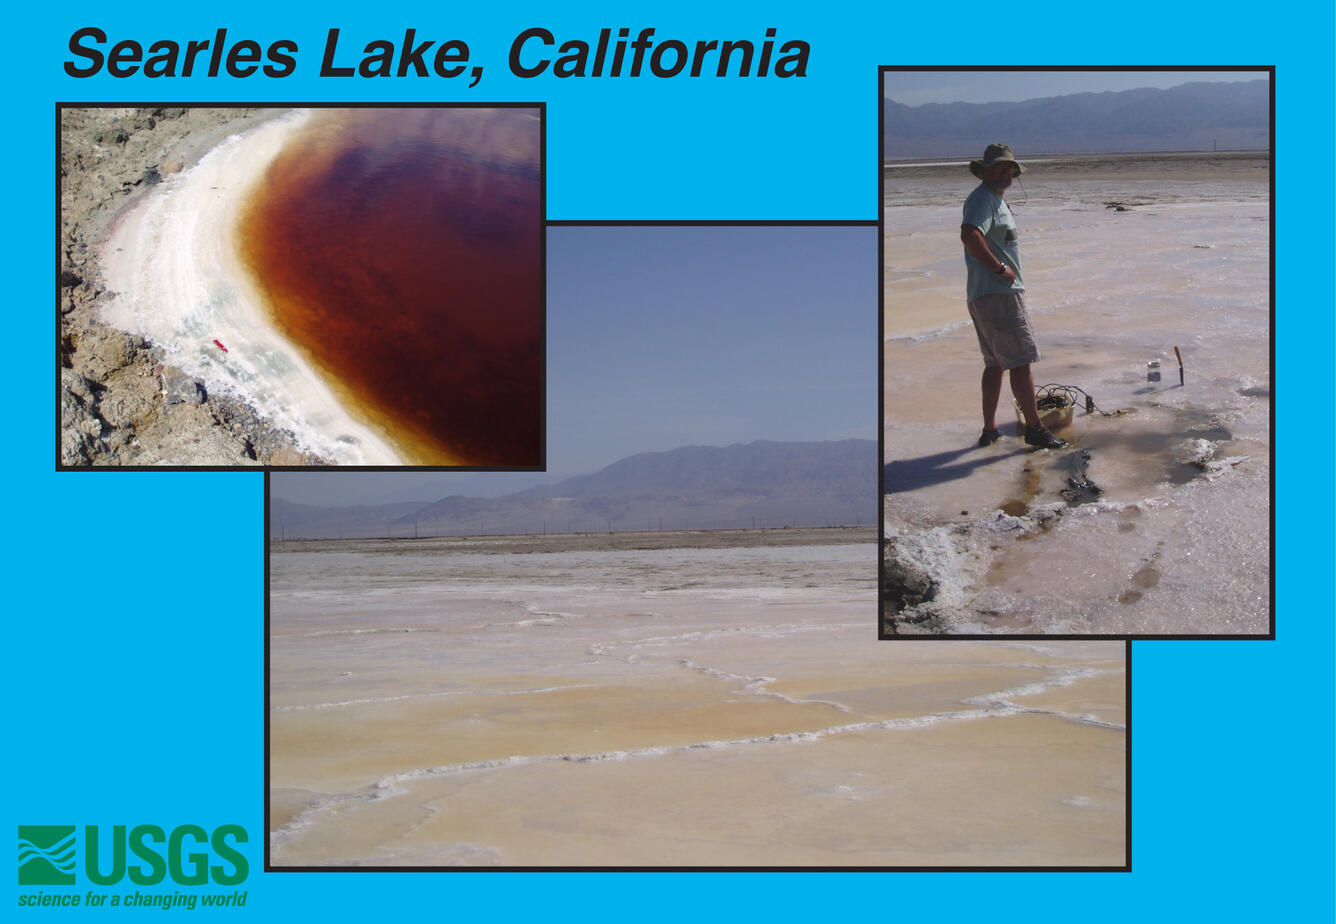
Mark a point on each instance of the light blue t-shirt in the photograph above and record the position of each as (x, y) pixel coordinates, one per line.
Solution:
(988, 212)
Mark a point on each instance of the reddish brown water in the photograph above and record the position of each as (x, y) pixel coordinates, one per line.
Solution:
(401, 250)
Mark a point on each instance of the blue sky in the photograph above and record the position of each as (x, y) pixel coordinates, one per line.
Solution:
(915, 88)
(667, 336)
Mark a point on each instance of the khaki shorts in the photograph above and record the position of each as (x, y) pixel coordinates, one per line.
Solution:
(1006, 338)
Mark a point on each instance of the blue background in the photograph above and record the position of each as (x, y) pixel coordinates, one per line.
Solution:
(136, 677)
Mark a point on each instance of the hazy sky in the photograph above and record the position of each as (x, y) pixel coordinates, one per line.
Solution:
(660, 337)
(914, 88)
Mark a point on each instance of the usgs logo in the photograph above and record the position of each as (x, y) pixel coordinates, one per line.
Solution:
(144, 854)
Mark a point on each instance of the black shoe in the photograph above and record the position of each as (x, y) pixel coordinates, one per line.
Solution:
(1041, 437)
(989, 437)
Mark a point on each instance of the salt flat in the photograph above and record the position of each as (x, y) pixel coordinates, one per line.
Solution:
(687, 704)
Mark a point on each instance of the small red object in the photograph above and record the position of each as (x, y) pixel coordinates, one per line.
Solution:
(220, 345)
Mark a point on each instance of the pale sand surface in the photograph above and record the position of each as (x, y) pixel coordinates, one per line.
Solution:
(656, 707)
(1185, 265)
(173, 264)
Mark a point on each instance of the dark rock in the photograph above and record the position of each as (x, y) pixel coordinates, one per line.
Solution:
(924, 577)
(904, 589)
(180, 388)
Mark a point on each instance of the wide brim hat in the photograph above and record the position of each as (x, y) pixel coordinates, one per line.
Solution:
(995, 153)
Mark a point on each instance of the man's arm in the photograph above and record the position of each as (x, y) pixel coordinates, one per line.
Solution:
(978, 248)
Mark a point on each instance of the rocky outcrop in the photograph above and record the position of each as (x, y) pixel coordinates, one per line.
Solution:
(930, 577)
(913, 569)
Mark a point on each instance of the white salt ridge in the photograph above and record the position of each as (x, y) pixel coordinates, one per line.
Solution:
(375, 700)
(756, 686)
(765, 631)
(1004, 699)
(178, 281)
(456, 854)
(381, 630)
(393, 785)
(539, 618)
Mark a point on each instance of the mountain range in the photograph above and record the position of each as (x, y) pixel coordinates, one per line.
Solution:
(1193, 117)
(761, 484)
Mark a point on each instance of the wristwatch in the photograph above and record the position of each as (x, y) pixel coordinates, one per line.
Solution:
(1000, 270)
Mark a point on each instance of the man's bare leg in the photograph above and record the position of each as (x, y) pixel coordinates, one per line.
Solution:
(992, 390)
(1022, 387)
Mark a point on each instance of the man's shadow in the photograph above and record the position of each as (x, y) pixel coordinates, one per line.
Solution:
(938, 468)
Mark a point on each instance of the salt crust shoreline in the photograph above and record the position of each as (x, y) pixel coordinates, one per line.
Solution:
(122, 400)
(173, 264)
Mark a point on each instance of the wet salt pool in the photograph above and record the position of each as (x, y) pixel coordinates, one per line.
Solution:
(400, 248)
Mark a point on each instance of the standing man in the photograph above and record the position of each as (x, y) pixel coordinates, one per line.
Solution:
(996, 296)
